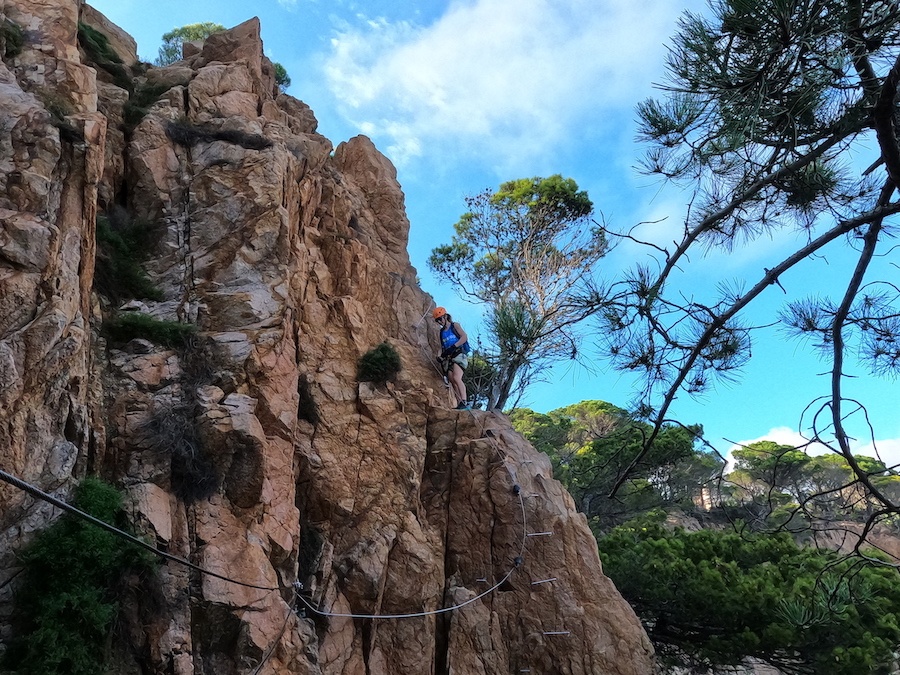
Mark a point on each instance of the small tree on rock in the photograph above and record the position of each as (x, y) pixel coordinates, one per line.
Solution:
(528, 252)
(173, 41)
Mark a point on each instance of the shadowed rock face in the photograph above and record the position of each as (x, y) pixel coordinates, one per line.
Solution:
(253, 450)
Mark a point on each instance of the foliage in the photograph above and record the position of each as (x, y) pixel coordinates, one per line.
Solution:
(138, 104)
(172, 429)
(188, 134)
(713, 598)
(782, 486)
(99, 51)
(12, 37)
(710, 599)
(478, 378)
(170, 51)
(282, 79)
(127, 326)
(96, 44)
(59, 108)
(65, 602)
(380, 364)
(56, 104)
(766, 104)
(591, 445)
(122, 245)
(770, 487)
(528, 252)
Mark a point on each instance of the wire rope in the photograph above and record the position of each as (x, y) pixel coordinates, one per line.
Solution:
(517, 562)
(271, 649)
(36, 492)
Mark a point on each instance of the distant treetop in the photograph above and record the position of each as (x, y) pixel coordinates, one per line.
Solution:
(173, 41)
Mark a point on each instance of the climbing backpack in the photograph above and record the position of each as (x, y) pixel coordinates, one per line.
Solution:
(465, 348)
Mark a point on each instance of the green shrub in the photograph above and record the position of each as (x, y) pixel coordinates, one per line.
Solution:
(139, 103)
(188, 134)
(130, 325)
(12, 38)
(65, 604)
(711, 599)
(96, 44)
(282, 79)
(59, 108)
(97, 48)
(121, 246)
(379, 364)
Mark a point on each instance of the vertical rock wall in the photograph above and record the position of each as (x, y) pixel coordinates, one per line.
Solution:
(50, 168)
(252, 450)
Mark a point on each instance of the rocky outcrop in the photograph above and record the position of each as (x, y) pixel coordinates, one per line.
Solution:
(253, 450)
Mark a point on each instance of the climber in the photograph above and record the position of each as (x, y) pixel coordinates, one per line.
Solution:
(454, 357)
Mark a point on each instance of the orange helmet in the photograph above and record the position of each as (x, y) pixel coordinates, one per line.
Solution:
(438, 312)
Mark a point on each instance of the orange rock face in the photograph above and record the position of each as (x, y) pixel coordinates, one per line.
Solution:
(252, 450)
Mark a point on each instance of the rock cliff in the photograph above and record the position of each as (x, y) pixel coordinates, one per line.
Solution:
(252, 450)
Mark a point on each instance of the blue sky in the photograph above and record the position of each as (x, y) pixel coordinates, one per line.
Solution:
(463, 95)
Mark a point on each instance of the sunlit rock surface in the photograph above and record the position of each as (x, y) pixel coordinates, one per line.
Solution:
(252, 450)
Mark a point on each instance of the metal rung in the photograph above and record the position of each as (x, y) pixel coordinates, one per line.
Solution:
(557, 632)
(539, 534)
(543, 581)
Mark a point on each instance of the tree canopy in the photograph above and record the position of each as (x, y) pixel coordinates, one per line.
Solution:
(743, 586)
(591, 444)
(282, 79)
(173, 43)
(170, 51)
(770, 111)
(528, 252)
(711, 598)
(73, 580)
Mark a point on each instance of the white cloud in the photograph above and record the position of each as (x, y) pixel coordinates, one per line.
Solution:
(888, 451)
(498, 77)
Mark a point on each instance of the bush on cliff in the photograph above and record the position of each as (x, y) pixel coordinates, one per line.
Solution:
(172, 429)
(187, 133)
(98, 50)
(380, 364)
(130, 325)
(138, 104)
(65, 603)
(122, 245)
(12, 39)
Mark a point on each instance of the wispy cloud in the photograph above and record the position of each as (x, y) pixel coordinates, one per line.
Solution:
(498, 77)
